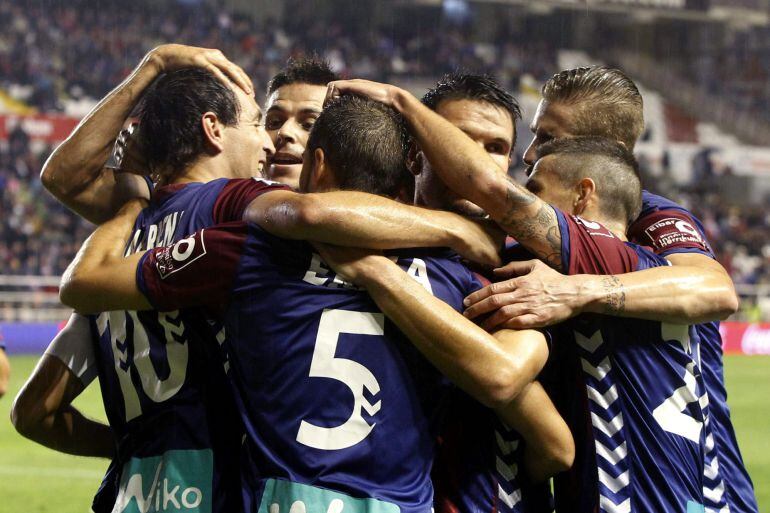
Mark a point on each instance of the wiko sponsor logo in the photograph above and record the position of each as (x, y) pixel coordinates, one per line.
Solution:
(177, 482)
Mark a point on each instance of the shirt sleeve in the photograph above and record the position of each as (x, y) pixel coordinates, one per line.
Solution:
(670, 231)
(236, 195)
(590, 248)
(197, 271)
(73, 345)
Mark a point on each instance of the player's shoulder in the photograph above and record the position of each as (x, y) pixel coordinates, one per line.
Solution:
(440, 270)
(647, 256)
(437, 260)
(654, 202)
(589, 247)
(668, 227)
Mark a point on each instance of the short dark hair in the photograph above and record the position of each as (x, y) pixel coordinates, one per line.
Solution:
(303, 70)
(608, 163)
(472, 86)
(610, 103)
(170, 117)
(365, 144)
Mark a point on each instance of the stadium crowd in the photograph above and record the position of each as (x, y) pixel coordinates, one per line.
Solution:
(42, 59)
(204, 138)
(34, 221)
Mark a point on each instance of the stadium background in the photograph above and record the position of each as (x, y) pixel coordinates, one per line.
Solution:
(702, 66)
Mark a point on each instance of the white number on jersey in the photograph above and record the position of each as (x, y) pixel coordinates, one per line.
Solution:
(354, 375)
(155, 389)
(670, 413)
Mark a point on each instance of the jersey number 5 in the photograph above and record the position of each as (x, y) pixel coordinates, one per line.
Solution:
(354, 375)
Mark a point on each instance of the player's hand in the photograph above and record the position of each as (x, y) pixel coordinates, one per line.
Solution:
(354, 265)
(129, 153)
(479, 241)
(534, 297)
(383, 93)
(171, 57)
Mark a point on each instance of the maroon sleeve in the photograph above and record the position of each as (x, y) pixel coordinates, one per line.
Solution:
(593, 249)
(669, 231)
(238, 193)
(196, 271)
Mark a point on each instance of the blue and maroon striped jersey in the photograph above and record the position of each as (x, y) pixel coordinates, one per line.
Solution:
(337, 404)
(669, 228)
(165, 395)
(633, 395)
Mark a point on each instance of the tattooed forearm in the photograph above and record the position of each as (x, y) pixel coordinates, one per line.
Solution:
(533, 223)
(614, 295)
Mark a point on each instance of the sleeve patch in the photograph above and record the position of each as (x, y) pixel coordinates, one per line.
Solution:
(174, 258)
(594, 229)
(671, 231)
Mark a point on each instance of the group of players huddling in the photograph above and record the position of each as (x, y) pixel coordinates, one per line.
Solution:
(281, 312)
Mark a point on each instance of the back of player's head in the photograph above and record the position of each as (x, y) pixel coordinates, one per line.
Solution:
(170, 117)
(471, 86)
(608, 163)
(365, 144)
(303, 70)
(607, 100)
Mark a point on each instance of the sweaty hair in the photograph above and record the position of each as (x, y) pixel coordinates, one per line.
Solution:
(365, 144)
(609, 103)
(470, 86)
(170, 117)
(608, 163)
(305, 70)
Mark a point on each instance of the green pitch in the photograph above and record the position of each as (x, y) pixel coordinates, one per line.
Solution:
(37, 480)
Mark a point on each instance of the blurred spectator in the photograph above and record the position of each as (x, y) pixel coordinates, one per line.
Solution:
(54, 53)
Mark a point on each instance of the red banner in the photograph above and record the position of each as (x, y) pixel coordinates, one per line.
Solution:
(745, 338)
(51, 128)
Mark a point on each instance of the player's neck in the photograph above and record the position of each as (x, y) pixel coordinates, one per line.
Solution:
(594, 213)
(203, 171)
(618, 229)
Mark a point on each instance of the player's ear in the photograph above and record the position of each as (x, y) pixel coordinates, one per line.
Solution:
(585, 193)
(321, 175)
(414, 158)
(213, 132)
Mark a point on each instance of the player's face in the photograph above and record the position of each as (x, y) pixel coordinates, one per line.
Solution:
(544, 182)
(489, 126)
(551, 121)
(247, 144)
(291, 112)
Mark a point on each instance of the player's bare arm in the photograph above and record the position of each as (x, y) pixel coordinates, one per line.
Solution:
(100, 278)
(549, 447)
(492, 368)
(357, 219)
(5, 372)
(43, 410)
(535, 295)
(469, 171)
(75, 172)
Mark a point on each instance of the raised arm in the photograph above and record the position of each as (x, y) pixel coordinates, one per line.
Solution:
(357, 219)
(469, 171)
(493, 369)
(43, 410)
(75, 173)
